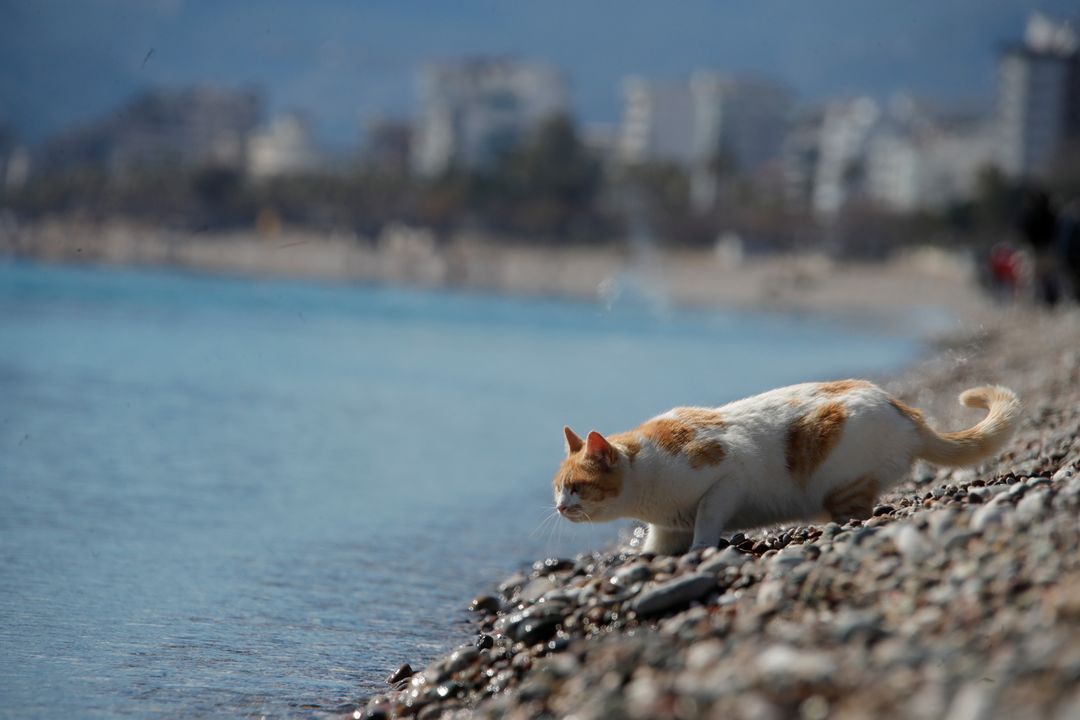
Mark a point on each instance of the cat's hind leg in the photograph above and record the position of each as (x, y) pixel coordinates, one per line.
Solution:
(853, 500)
(662, 540)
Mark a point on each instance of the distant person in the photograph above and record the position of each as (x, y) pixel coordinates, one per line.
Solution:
(1069, 244)
(1005, 271)
(1039, 227)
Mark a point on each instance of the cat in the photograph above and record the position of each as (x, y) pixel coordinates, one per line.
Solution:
(788, 454)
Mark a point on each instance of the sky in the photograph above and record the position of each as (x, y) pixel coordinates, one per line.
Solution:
(344, 61)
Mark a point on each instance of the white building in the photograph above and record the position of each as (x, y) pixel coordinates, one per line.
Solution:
(471, 110)
(1038, 97)
(658, 122)
(284, 148)
(692, 122)
(907, 170)
(846, 128)
(738, 121)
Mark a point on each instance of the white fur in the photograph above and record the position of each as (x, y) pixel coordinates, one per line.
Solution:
(752, 485)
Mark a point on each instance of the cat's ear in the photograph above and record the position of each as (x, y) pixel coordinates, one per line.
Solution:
(598, 447)
(573, 442)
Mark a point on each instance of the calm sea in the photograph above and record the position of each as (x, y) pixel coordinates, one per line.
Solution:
(239, 497)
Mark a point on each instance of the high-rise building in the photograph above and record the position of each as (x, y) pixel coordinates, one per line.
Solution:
(658, 122)
(846, 128)
(473, 110)
(693, 123)
(1038, 97)
(739, 126)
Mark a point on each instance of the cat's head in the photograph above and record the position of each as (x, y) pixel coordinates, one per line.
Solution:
(590, 479)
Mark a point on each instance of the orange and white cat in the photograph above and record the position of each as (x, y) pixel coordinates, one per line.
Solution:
(784, 455)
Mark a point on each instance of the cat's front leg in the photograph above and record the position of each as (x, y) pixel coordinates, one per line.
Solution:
(713, 513)
(662, 540)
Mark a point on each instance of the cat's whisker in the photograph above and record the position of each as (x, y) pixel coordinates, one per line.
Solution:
(551, 516)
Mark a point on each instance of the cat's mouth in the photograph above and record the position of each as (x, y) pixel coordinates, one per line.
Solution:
(574, 513)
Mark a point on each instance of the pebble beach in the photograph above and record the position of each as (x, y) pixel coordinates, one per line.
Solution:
(959, 598)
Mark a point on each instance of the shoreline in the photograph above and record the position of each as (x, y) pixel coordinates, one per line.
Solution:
(959, 598)
(916, 289)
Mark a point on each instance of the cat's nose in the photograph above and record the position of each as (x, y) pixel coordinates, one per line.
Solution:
(562, 508)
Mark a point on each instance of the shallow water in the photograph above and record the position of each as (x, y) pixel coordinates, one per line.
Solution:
(238, 497)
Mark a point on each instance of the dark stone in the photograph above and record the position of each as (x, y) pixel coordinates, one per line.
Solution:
(673, 594)
(484, 642)
(538, 629)
(737, 539)
(558, 644)
(884, 510)
(487, 604)
(722, 544)
(403, 672)
(450, 689)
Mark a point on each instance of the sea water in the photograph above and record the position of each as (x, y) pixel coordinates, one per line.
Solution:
(237, 497)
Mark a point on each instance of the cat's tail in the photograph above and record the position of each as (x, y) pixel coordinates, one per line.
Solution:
(968, 447)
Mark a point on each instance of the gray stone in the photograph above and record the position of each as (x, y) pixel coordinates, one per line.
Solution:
(535, 589)
(911, 544)
(1032, 505)
(461, 658)
(635, 573)
(1064, 473)
(728, 557)
(674, 593)
(790, 557)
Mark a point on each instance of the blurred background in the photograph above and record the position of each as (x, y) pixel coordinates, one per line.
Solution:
(295, 299)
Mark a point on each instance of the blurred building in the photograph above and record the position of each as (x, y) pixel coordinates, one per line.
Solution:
(388, 146)
(799, 157)
(1038, 107)
(739, 125)
(473, 110)
(285, 147)
(921, 157)
(694, 123)
(839, 176)
(657, 124)
(904, 156)
(198, 126)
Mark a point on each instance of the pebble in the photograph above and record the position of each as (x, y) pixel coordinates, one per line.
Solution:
(911, 544)
(631, 574)
(461, 658)
(402, 673)
(673, 593)
(728, 557)
(488, 604)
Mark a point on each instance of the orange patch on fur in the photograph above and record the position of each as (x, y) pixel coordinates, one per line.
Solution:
(704, 452)
(852, 501)
(701, 417)
(628, 443)
(842, 387)
(909, 412)
(670, 435)
(812, 437)
(592, 480)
